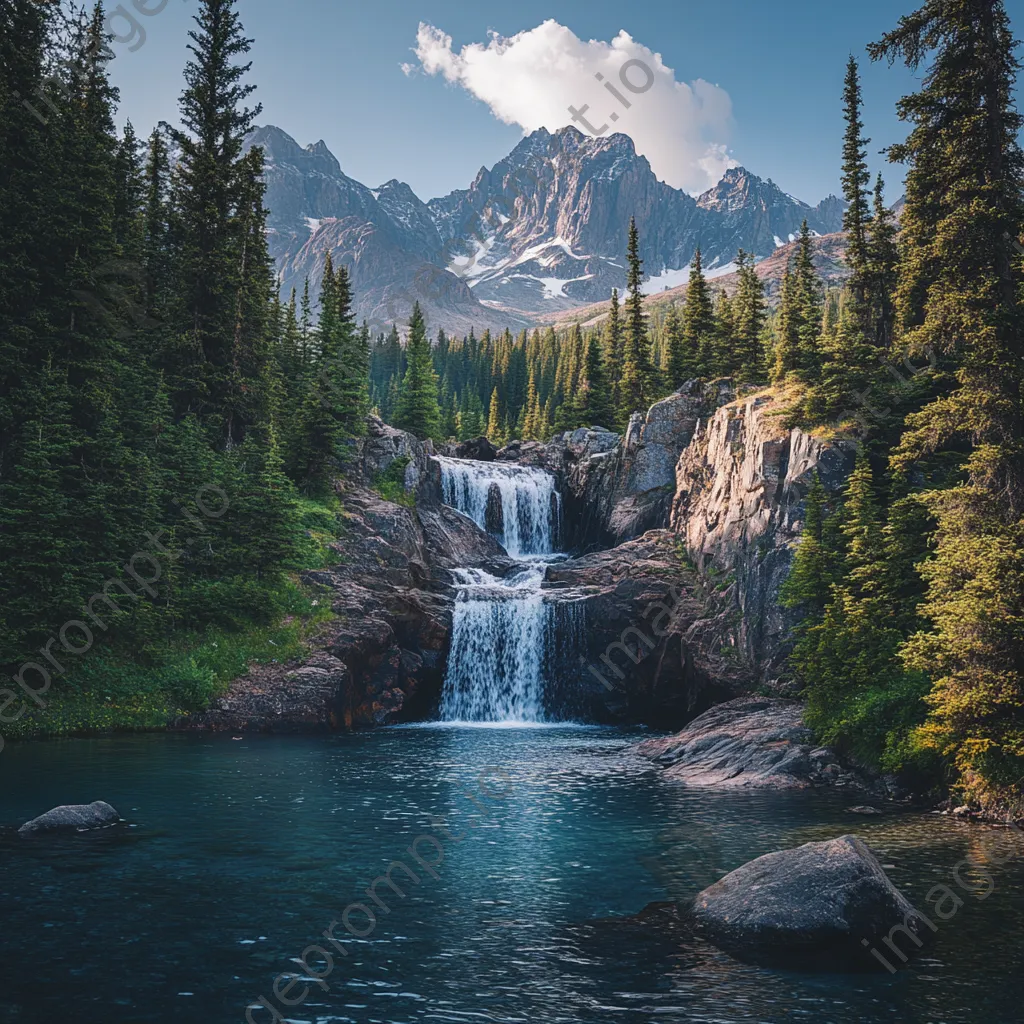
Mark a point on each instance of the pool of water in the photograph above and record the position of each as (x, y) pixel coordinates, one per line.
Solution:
(241, 853)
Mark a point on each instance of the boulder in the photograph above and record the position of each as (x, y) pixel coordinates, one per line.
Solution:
(747, 743)
(479, 449)
(820, 906)
(384, 445)
(751, 742)
(72, 817)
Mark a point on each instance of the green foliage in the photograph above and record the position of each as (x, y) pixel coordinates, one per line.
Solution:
(418, 410)
(636, 390)
(118, 689)
(958, 296)
(847, 645)
(390, 484)
(144, 376)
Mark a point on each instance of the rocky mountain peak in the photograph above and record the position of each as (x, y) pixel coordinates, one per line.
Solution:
(544, 230)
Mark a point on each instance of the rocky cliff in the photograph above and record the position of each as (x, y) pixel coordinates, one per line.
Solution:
(682, 530)
(741, 486)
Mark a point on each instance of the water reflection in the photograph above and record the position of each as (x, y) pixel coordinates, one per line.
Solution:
(244, 852)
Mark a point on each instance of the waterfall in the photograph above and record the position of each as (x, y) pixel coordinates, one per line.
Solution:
(504, 631)
(518, 505)
(501, 634)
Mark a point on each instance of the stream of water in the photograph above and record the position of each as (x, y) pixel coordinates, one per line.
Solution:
(505, 632)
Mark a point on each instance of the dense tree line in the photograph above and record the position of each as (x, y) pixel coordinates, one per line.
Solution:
(145, 357)
(540, 382)
(912, 582)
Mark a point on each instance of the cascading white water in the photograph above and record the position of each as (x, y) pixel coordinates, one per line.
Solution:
(503, 633)
(530, 502)
(500, 637)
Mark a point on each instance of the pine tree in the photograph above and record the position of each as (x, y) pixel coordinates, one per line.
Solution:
(596, 407)
(958, 295)
(681, 360)
(637, 371)
(883, 264)
(850, 362)
(786, 356)
(748, 322)
(862, 528)
(495, 430)
(157, 229)
(334, 400)
(699, 319)
(815, 570)
(208, 199)
(417, 409)
(807, 287)
(856, 180)
(613, 349)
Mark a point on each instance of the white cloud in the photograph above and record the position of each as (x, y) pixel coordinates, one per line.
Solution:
(532, 78)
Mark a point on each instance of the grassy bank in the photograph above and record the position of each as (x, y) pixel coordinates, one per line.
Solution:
(136, 682)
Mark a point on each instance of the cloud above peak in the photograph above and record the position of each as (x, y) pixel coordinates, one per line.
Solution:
(533, 78)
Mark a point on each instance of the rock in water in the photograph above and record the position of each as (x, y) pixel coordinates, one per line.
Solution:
(79, 817)
(822, 906)
(494, 516)
(751, 743)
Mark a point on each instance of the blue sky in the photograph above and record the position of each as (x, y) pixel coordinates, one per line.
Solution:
(332, 70)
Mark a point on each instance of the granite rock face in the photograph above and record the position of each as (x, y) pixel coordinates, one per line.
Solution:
(750, 742)
(72, 818)
(739, 508)
(383, 445)
(619, 487)
(641, 654)
(812, 907)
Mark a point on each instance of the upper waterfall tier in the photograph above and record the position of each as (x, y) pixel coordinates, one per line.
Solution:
(519, 505)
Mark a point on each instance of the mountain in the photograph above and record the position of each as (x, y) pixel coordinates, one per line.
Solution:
(542, 231)
(385, 237)
(828, 253)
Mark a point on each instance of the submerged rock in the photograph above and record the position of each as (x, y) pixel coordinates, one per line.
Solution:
(820, 906)
(72, 817)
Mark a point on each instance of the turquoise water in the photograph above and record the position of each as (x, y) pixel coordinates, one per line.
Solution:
(243, 853)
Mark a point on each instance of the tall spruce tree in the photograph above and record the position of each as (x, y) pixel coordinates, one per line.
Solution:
(747, 356)
(210, 202)
(856, 182)
(417, 410)
(596, 406)
(637, 371)
(699, 318)
(883, 269)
